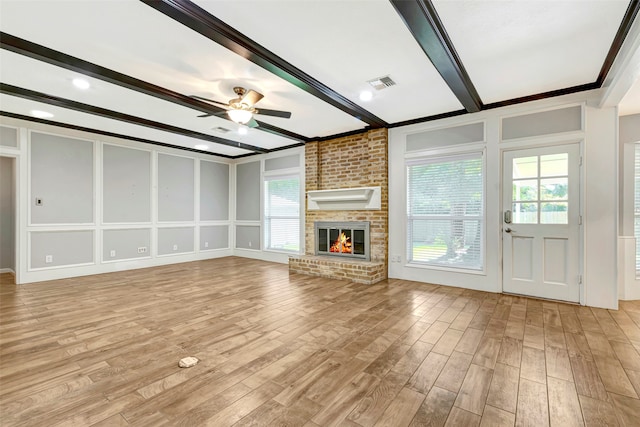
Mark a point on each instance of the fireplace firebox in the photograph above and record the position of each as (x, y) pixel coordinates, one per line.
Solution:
(349, 239)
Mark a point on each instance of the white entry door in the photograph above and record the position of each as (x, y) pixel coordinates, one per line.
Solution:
(541, 222)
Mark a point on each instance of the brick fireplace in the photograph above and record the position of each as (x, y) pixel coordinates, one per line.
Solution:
(350, 162)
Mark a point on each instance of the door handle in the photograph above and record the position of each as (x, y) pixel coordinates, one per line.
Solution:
(507, 217)
(508, 230)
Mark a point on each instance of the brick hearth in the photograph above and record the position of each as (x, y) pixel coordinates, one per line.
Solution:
(353, 161)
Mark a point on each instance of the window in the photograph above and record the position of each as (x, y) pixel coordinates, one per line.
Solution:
(540, 189)
(282, 213)
(636, 210)
(445, 211)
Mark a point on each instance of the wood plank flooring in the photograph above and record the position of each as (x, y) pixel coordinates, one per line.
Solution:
(279, 349)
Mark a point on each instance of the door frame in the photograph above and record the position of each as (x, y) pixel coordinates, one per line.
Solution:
(543, 142)
(15, 158)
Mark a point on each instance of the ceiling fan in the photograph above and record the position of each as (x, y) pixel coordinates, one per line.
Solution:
(241, 109)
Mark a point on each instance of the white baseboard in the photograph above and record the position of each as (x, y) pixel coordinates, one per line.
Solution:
(278, 257)
(110, 267)
(628, 283)
(7, 270)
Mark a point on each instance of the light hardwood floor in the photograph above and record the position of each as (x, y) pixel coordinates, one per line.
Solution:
(294, 350)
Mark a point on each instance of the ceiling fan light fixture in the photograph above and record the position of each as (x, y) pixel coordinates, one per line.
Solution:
(240, 116)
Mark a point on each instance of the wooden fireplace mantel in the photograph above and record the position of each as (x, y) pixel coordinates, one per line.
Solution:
(361, 198)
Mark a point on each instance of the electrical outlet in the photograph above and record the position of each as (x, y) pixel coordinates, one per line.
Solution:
(48, 259)
(206, 244)
(142, 249)
(38, 201)
(175, 247)
(112, 253)
(249, 243)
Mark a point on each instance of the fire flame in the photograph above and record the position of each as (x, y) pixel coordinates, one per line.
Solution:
(341, 245)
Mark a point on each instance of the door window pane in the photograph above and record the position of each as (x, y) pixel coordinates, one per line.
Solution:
(525, 167)
(525, 213)
(554, 213)
(554, 165)
(554, 189)
(542, 198)
(525, 190)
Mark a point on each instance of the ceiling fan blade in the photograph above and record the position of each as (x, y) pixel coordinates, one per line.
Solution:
(274, 113)
(252, 123)
(251, 97)
(209, 100)
(219, 114)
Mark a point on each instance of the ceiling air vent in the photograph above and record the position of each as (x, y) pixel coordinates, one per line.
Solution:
(381, 82)
(222, 130)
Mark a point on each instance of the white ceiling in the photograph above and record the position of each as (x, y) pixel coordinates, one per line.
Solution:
(630, 104)
(510, 49)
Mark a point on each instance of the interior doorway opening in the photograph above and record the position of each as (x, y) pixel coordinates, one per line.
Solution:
(8, 259)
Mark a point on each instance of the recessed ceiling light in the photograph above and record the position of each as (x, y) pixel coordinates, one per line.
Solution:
(366, 95)
(81, 84)
(201, 147)
(41, 114)
(242, 130)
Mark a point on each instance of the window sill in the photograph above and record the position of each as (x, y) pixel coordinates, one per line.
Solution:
(446, 269)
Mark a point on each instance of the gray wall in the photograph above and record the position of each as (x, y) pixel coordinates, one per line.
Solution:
(630, 129)
(214, 237)
(543, 123)
(445, 137)
(181, 237)
(285, 162)
(62, 176)
(248, 191)
(248, 237)
(126, 243)
(7, 213)
(126, 188)
(66, 248)
(214, 191)
(8, 137)
(175, 188)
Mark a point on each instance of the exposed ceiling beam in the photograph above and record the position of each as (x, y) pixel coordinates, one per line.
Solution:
(543, 95)
(621, 34)
(201, 21)
(111, 134)
(59, 59)
(110, 114)
(423, 22)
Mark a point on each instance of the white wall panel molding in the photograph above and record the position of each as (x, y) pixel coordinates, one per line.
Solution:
(101, 260)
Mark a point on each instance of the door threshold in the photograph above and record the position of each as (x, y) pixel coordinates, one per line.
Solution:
(542, 298)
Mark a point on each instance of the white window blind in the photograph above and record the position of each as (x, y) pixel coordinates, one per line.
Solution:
(282, 213)
(445, 211)
(636, 210)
